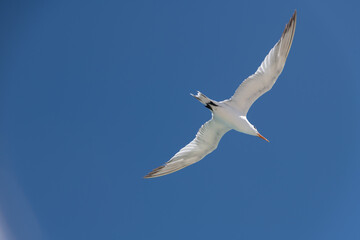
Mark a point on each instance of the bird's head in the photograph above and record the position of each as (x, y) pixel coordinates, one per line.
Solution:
(250, 129)
(258, 134)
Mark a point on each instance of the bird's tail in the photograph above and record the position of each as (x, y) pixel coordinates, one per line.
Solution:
(202, 98)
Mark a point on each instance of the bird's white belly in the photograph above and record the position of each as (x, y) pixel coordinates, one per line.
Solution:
(233, 119)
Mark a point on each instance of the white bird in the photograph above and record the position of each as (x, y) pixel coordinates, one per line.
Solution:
(231, 113)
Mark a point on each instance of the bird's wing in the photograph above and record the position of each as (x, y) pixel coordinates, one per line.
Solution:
(268, 72)
(206, 141)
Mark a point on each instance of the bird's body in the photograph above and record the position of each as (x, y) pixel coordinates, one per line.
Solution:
(225, 113)
(233, 118)
(231, 113)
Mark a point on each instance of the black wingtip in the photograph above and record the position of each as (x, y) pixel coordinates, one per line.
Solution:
(153, 172)
(290, 23)
(294, 15)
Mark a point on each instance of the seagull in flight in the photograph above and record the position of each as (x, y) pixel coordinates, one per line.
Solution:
(231, 113)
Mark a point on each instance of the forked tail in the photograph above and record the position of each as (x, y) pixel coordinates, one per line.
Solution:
(204, 100)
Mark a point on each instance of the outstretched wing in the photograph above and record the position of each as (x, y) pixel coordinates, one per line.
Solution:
(206, 141)
(268, 72)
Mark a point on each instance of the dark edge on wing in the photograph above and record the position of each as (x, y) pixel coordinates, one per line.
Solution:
(153, 172)
(291, 25)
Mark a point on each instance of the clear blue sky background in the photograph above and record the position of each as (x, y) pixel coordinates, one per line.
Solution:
(95, 94)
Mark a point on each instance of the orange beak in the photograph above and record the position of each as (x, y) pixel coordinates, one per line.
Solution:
(260, 136)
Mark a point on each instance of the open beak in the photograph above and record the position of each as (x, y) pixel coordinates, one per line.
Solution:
(260, 136)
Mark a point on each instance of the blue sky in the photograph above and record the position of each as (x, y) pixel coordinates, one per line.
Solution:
(95, 94)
